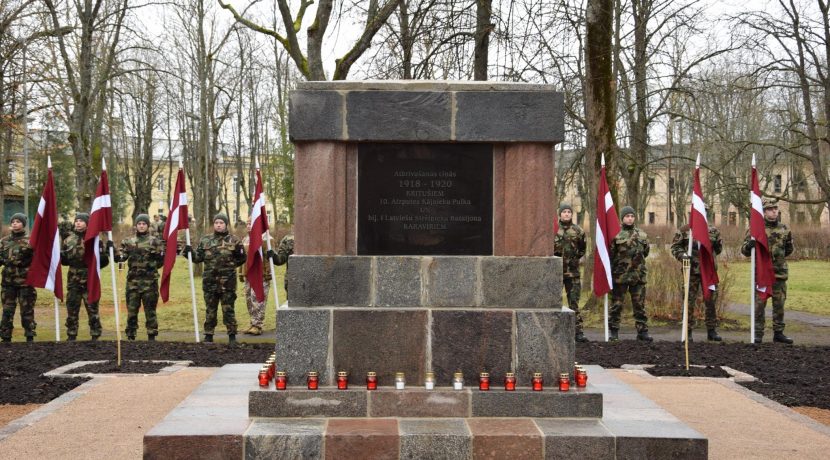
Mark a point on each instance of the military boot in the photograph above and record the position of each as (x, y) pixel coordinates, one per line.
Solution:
(613, 335)
(31, 338)
(580, 337)
(131, 337)
(208, 338)
(231, 340)
(151, 337)
(689, 335)
(779, 337)
(7, 339)
(712, 335)
(644, 337)
(71, 338)
(95, 338)
(758, 337)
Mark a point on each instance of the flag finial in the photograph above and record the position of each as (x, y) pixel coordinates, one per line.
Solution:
(49, 161)
(103, 164)
(602, 161)
(257, 164)
(753, 160)
(697, 163)
(181, 165)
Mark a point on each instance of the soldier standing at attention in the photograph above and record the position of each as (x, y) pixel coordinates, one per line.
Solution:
(222, 253)
(569, 244)
(144, 254)
(780, 241)
(679, 249)
(284, 251)
(72, 255)
(256, 309)
(16, 257)
(629, 250)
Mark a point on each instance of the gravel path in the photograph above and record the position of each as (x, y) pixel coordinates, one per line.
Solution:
(107, 422)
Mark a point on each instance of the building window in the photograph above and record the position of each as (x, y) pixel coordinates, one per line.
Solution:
(12, 172)
(776, 183)
(160, 183)
(235, 184)
(733, 218)
(651, 216)
(651, 184)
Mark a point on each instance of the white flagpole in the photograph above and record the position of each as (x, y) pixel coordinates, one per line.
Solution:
(57, 306)
(114, 286)
(752, 295)
(190, 271)
(688, 280)
(606, 316)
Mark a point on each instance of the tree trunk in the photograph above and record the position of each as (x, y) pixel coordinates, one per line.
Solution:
(484, 11)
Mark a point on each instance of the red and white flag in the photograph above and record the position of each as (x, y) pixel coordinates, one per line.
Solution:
(45, 270)
(700, 234)
(608, 226)
(177, 219)
(259, 226)
(100, 220)
(764, 271)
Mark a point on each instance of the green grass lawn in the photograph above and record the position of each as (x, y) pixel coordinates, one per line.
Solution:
(175, 317)
(808, 288)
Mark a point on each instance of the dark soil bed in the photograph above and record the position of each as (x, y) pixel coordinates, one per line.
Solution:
(679, 370)
(127, 367)
(22, 364)
(790, 375)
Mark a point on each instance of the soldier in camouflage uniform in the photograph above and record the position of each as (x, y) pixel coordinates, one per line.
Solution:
(629, 250)
(780, 241)
(222, 253)
(284, 251)
(16, 257)
(679, 249)
(569, 244)
(72, 255)
(256, 309)
(144, 254)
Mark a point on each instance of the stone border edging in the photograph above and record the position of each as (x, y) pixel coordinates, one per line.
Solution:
(734, 375)
(64, 371)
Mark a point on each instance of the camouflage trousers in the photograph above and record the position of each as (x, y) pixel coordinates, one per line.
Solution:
(573, 290)
(74, 297)
(638, 302)
(142, 292)
(12, 295)
(220, 288)
(711, 315)
(255, 308)
(779, 295)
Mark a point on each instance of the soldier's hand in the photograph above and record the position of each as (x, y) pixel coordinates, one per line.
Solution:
(241, 278)
(110, 246)
(187, 250)
(271, 255)
(685, 256)
(750, 244)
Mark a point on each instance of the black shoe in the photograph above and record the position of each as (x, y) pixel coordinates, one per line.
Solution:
(231, 339)
(779, 337)
(758, 339)
(613, 335)
(71, 338)
(151, 337)
(689, 335)
(644, 337)
(7, 339)
(131, 337)
(95, 338)
(580, 337)
(30, 338)
(712, 335)
(208, 338)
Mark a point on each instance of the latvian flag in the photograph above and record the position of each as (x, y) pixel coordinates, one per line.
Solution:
(177, 219)
(100, 220)
(700, 234)
(259, 225)
(608, 226)
(764, 271)
(45, 271)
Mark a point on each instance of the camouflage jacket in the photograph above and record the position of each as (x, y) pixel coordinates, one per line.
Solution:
(569, 244)
(221, 253)
(629, 250)
(285, 249)
(72, 255)
(680, 246)
(15, 256)
(780, 241)
(144, 254)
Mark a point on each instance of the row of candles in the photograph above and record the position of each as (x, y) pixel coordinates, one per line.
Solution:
(268, 372)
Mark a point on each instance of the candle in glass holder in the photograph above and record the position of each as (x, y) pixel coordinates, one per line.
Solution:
(537, 381)
(582, 378)
(312, 381)
(281, 381)
(400, 381)
(342, 380)
(263, 378)
(564, 382)
(429, 381)
(484, 381)
(371, 381)
(509, 381)
(458, 381)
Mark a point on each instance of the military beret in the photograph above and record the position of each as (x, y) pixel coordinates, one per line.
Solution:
(142, 218)
(221, 216)
(627, 210)
(21, 217)
(565, 206)
(770, 203)
(82, 216)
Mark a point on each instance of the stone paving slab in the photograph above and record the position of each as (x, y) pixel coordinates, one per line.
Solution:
(631, 426)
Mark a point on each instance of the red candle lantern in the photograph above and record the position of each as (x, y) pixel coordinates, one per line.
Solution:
(312, 381)
(564, 382)
(342, 380)
(281, 381)
(509, 381)
(582, 378)
(484, 381)
(537, 382)
(371, 381)
(263, 378)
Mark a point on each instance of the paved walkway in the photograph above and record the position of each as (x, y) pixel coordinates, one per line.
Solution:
(108, 417)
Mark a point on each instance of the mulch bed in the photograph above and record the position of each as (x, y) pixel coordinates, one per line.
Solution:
(22, 364)
(791, 375)
(679, 370)
(127, 367)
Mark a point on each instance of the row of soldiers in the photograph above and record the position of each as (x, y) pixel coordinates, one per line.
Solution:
(628, 252)
(221, 252)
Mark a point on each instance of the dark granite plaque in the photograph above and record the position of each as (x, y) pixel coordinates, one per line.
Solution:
(425, 199)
